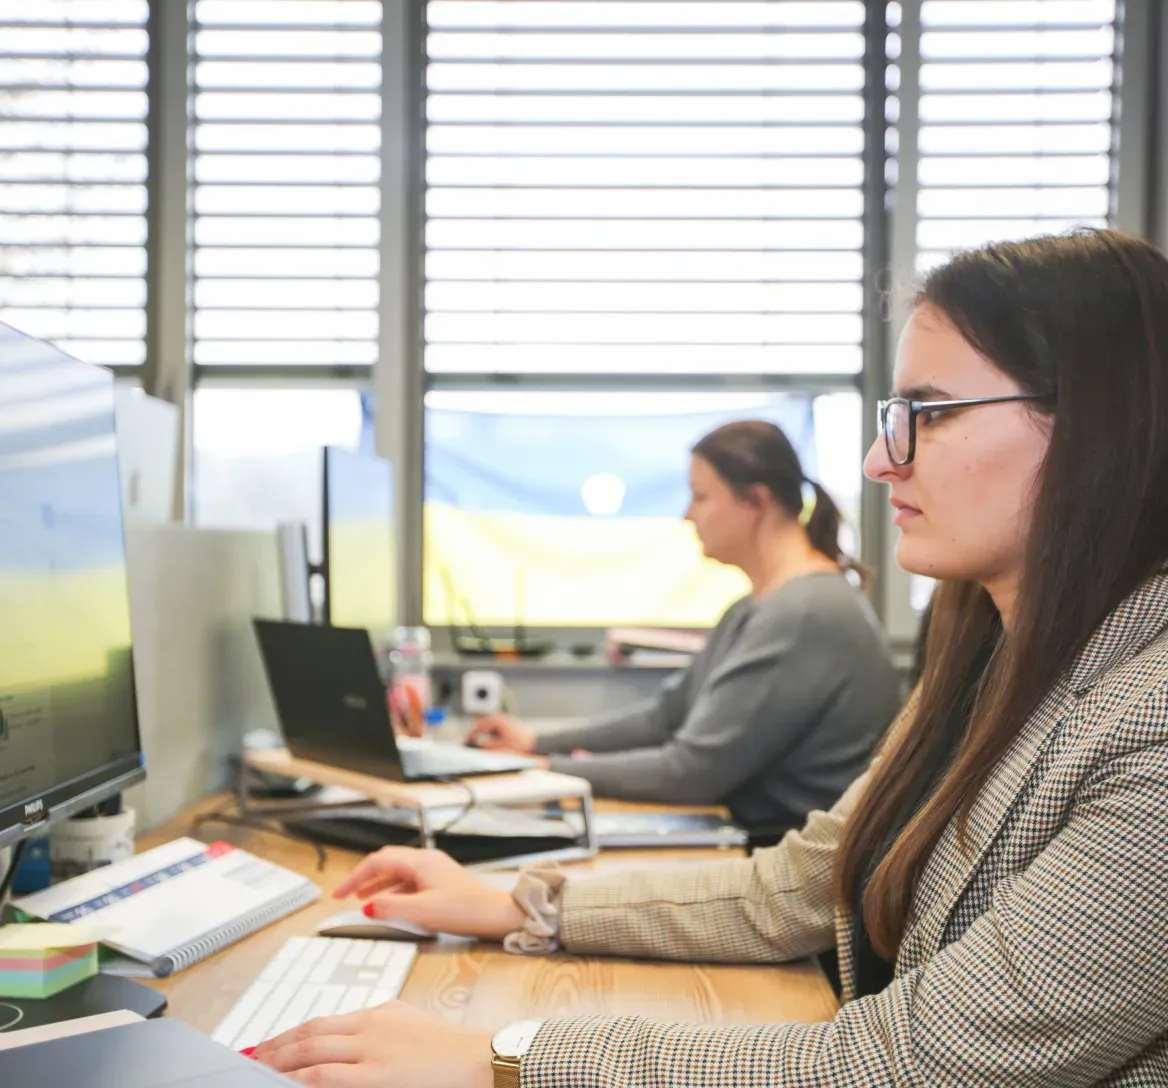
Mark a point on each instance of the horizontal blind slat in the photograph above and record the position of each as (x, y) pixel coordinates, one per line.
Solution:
(73, 175)
(286, 196)
(1015, 135)
(636, 187)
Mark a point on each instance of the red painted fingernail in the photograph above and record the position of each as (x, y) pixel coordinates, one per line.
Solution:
(249, 1052)
(367, 910)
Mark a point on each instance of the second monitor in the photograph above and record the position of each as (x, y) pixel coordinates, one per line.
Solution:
(359, 552)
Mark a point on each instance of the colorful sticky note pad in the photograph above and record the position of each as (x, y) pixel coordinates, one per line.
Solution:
(41, 960)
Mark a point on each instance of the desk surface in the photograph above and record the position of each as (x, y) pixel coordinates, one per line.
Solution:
(479, 984)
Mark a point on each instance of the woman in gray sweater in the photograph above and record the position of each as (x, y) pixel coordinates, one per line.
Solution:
(796, 684)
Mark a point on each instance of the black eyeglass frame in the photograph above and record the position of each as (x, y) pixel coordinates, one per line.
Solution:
(916, 407)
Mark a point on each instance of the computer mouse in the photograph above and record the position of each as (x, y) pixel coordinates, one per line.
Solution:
(354, 923)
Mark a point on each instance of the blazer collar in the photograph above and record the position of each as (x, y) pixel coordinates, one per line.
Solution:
(1133, 625)
(1139, 618)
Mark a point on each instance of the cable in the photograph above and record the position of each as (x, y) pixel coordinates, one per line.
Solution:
(10, 876)
(466, 810)
(256, 823)
(15, 1020)
(259, 823)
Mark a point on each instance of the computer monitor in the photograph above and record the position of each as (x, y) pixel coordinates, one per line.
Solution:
(359, 546)
(295, 572)
(148, 437)
(68, 718)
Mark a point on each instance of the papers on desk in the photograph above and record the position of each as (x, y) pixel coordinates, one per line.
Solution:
(38, 961)
(660, 647)
(43, 937)
(662, 830)
(490, 821)
(10, 1040)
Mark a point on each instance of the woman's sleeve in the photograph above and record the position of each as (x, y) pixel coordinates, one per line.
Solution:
(1059, 984)
(772, 907)
(650, 723)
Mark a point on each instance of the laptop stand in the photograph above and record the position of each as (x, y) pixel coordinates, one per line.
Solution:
(431, 802)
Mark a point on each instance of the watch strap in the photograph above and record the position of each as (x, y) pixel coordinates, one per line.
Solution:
(506, 1073)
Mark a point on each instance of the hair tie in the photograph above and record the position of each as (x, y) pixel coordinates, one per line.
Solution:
(810, 498)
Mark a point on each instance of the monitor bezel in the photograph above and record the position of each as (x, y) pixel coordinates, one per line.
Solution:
(325, 571)
(34, 815)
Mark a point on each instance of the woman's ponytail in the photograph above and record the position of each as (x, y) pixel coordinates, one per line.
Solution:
(751, 452)
(823, 524)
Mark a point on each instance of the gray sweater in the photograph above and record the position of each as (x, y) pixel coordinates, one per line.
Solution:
(774, 718)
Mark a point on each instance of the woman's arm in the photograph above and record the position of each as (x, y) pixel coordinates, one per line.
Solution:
(754, 705)
(648, 723)
(1057, 985)
(772, 907)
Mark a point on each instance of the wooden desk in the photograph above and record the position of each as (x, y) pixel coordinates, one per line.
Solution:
(479, 984)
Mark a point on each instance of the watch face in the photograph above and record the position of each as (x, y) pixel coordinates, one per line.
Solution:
(514, 1040)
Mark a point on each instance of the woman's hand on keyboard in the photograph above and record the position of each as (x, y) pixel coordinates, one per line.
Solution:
(501, 733)
(431, 889)
(391, 1046)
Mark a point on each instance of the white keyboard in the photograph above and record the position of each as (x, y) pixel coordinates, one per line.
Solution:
(438, 757)
(316, 976)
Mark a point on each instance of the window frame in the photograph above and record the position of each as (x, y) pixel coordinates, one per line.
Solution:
(868, 382)
(398, 380)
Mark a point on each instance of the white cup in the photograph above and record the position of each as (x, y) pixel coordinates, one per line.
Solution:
(80, 845)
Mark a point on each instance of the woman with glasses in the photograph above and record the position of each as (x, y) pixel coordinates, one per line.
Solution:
(997, 882)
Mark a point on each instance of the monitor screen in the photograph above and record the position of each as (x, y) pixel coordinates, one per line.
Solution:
(360, 556)
(68, 716)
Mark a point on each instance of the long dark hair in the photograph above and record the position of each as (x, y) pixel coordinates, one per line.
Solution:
(1081, 320)
(750, 452)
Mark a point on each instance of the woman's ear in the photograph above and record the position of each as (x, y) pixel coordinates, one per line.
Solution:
(757, 496)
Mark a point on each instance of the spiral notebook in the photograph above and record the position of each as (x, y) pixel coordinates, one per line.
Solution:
(175, 905)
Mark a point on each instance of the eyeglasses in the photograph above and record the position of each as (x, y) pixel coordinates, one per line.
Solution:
(898, 420)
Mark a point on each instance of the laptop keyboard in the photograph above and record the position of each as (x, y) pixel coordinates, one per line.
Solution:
(316, 976)
(437, 758)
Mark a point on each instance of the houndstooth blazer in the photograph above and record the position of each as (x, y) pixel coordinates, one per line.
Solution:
(1039, 959)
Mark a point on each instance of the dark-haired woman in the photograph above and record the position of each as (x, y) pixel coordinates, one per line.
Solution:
(796, 684)
(997, 883)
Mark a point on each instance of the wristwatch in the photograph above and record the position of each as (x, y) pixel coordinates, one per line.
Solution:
(508, 1047)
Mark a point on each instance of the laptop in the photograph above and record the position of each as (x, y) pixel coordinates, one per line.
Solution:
(151, 1054)
(331, 704)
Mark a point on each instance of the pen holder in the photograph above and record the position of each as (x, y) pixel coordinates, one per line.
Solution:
(33, 874)
(84, 843)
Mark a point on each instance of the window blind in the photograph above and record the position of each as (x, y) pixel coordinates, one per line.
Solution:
(1015, 133)
(286, 181)
(644, 187)
(73, 175)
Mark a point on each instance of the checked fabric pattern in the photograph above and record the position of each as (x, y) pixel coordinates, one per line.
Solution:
(1036, 959)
